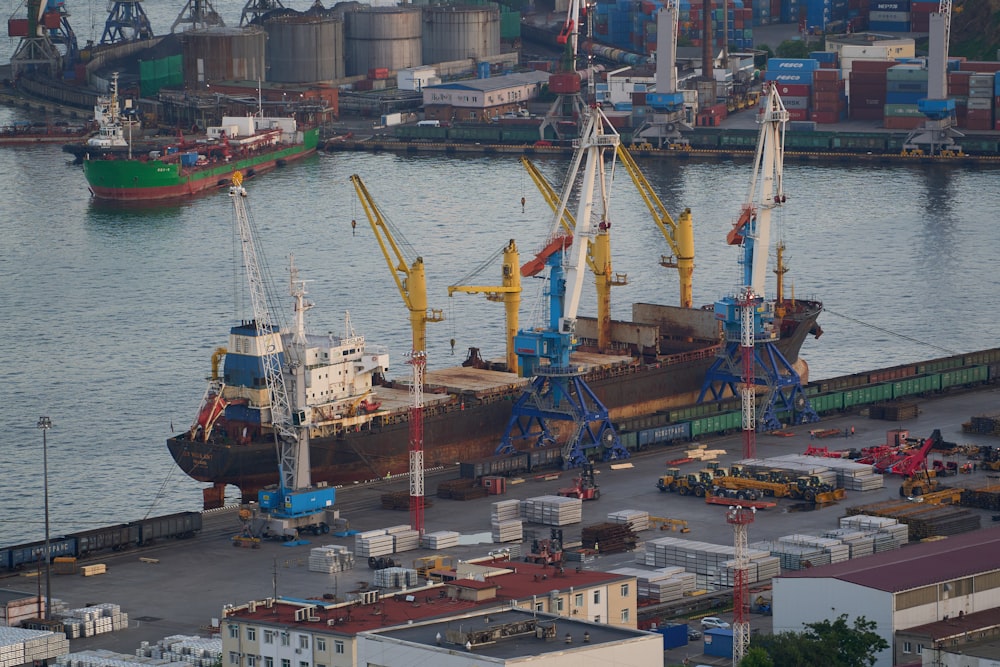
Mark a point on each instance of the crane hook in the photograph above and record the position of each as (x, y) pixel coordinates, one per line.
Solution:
(354, 226)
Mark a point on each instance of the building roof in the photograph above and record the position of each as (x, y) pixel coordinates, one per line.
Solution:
(519, 646)
(915, 565)
(494, 82)
(957, 626)
(866, 38)
(515, 582)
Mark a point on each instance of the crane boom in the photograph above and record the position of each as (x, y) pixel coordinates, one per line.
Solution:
(409, 275)
(293, 448)
(679, 235)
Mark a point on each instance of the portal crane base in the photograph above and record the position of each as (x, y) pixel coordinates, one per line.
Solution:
(785, 395)
(563, 397)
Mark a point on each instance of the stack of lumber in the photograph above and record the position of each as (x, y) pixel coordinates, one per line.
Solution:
(851, 475)
(983, 497)
(894, 412)
(665, 584)
(859, 542)
(447, 488)
(442, 539)
(703, 453)
(404, 538)
(552, 510)
(330, 558)
(923, 520)
(396, 500)
(609, 538)
(396, 577)
(637, 520)
(372, 543)
(988, 424)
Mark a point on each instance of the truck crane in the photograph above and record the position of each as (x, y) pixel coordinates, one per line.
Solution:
(565, 83)
(409, 274)
(750, 355)
(509, 293)
(938, 132)
(294, 504)
(558, 390)
(679, 235)
(598, 255)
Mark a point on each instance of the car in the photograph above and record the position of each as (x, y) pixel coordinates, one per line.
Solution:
(693, 634)
(713, 622)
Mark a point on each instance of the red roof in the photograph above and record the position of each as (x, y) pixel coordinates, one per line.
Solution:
(472, 584)
(915, 565)
(529, 579)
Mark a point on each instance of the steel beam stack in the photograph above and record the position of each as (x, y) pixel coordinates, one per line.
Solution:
(609, 538)
(663, 585)
(372, 543)
(637, 520)
(851, 475)
(923, 519)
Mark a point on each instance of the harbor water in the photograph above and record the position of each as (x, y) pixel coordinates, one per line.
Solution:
(110, 315)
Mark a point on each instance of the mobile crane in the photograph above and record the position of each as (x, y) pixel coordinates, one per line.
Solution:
(558, 390)
(294, 504)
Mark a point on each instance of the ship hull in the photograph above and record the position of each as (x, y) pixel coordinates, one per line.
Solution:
(456, 431)
(115, 179)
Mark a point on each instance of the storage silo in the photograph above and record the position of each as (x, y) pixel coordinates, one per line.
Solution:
(223, 54)
(304, 48)
(382, 37)
(460, 32)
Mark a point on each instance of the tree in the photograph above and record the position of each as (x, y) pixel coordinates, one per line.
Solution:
(834, 644)
(793, 48)
(756, 657)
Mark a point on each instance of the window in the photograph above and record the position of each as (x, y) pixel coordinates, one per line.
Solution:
(624, 590)
(597, 619)
(284, 639)
(539, 606)
(304, 641)
(269, 662)
(234, 632)
(320, 645)
(338, 647)
(285, 662)
(597, 597)
(920, 649)
(625, 616)
(578, 600)
(251, 633)
(251, 661)
(907, 647)
(303, 663)
(559, 604)
(234, 658)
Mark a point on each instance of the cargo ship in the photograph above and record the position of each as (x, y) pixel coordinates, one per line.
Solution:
(360, 420)
(250, 144)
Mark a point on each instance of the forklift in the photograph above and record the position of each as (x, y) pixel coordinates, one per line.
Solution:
(585, 486)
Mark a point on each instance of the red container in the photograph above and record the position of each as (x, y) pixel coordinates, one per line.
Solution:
(982, 125)
(827, 99)
(826, 117)
(981, 114)
(775, 8)
(829, 86)
(821, 74)
(540, 65)
(52, 20)
(363, 84)
(639, 99)
(958, 83)
(867, 79)
(798, 114)
(979, 66)
(865, 114)
(565, 83)
(794, 90)
(996, 126)
(17, 27)
(919, 22)
(872, 65)
(902, 122)
(378, 73)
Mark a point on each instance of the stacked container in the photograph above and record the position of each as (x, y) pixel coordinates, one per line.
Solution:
(868, 89)
(920, 14)
(889, 16)
(981, 93)
(905, 85)
(829, 98)
(797, 72)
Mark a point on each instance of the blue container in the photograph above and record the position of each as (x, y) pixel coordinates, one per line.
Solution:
(824, 56)
(189, 159)
(674, 635)
(792, 65)
(903, 97)
(719, 642)
(789, 77)
(667, 101)
(996, 84)
(483, 70)
(889, 5)
(886, 26)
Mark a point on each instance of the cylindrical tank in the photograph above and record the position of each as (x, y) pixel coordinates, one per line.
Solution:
(458, 32)
(378, 37)
(303, 48)
(223, 54)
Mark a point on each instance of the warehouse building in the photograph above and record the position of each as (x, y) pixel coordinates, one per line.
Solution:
(482, 99)
(509, 637)
(966, 640)
(286, 632)
(899, 590)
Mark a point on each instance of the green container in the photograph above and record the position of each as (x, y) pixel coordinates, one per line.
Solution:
(510, 25)
(902, 111)
(906, 73)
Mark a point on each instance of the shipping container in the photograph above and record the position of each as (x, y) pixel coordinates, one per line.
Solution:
(792, 65)
(794, 90)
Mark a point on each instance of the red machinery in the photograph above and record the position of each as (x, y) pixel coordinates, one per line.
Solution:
(584, 487)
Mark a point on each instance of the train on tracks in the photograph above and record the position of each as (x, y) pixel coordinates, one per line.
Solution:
(143, 532)
(839, 395)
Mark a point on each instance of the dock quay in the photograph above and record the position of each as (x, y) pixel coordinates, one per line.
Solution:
(181, 586)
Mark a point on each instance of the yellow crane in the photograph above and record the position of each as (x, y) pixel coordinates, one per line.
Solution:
(679, 235)
(509, 292)
(410, 278)
(598, 255)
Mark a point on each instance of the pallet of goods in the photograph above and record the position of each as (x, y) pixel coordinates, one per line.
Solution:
(330, 558)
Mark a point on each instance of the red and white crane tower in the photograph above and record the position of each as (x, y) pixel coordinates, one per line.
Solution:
(418, 359)
(746, 302)
(740, 518)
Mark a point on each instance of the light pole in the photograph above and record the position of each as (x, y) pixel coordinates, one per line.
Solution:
(44, 423)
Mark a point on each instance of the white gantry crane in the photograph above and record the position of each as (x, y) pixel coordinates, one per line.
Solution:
(938, 132)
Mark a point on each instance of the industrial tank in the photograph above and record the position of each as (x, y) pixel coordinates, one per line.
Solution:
(303, 48)
(457, 33)
(223, 54)
(382, 37)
